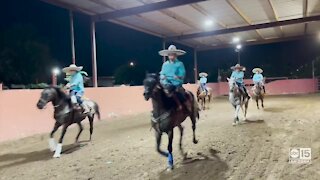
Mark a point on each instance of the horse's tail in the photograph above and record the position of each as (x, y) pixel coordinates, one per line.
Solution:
(97, 109)
(196, 108)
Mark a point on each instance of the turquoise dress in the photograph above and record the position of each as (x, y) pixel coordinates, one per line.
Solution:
(238, 77)
(77, 86)
(171, 69)
(257, 78)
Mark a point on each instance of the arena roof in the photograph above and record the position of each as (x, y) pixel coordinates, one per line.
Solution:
(207, 24)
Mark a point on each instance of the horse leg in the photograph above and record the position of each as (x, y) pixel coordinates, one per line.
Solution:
(80, 130)
(158, 139)
(52, 143)
(257, 101)
(194, 120)
(204, 103)
(57, 154)
(184, 155)
(262, 102)
(91, 125)
(236, 116)
(246, 110)
(170, 156)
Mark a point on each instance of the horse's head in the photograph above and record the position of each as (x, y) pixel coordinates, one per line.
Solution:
(47, 95)
(150, 84)
(232, 83)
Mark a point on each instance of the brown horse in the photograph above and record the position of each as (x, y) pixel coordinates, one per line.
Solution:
(65, 115)
(258, 94)
(166, 117)
(203, 96)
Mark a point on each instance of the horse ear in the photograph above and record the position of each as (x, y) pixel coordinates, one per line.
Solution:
(228, 79)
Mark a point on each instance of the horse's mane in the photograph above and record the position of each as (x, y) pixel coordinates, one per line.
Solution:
(60, 93)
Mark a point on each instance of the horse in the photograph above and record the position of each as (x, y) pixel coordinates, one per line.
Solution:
(237, 99)
(257, 91)
(165, 116)
(202, 96)
(65, 115)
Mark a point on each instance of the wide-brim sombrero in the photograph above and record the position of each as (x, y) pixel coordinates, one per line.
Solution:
(72, 67)
(257, 70)
(172, 49)
(203, 74)
(238, 66)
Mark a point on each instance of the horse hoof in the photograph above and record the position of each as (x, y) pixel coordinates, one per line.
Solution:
(52, 145)
(195, 141)
(56, 155)
(233, 124)
(169, 168)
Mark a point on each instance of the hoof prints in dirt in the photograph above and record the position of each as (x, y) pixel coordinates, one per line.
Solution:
(205, 166)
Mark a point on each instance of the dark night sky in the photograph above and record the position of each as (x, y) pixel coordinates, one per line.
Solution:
(118, 45)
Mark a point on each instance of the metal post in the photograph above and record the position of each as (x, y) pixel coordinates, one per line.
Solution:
(72, 38)
(54, 79)
(195, 60)
(313, 76)
(164, 47)
(94, 55)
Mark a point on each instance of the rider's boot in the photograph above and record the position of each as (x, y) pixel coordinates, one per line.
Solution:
(264, 89)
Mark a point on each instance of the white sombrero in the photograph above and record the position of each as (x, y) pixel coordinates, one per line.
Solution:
(172, 49)
(238, 66)
(72, 67)
(203, 74)
(257, 70)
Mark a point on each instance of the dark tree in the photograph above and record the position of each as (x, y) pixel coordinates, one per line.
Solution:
(132, 75)
(24, 57)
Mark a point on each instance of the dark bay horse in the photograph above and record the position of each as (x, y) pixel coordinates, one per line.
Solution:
(65, 115)
(258, 94)
(166, 117)
(203, 96)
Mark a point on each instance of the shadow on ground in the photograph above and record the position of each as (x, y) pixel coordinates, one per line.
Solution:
(201, 167)
(15, 159)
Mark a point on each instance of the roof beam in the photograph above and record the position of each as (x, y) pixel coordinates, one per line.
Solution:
(305, 12)
(276, 16)
(248, 28)
(266, 41)
(68, 6)
(181, 19)
(143, 9)
(243, 16)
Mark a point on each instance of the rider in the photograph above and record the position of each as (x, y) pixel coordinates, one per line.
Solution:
(238, 75)
(258, 78)
(76, 85)
(203, 81)
(172, 75)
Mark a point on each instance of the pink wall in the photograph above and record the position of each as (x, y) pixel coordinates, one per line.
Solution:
(289, 86)
(292, 86)
(19, 116)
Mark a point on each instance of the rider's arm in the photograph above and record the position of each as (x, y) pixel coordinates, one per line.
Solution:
(78, 79)
(181, 71)
(162, 72)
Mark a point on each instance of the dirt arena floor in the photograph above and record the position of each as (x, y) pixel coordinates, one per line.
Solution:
(124, 148)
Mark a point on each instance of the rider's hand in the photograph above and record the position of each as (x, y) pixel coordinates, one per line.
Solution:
(67, 86)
